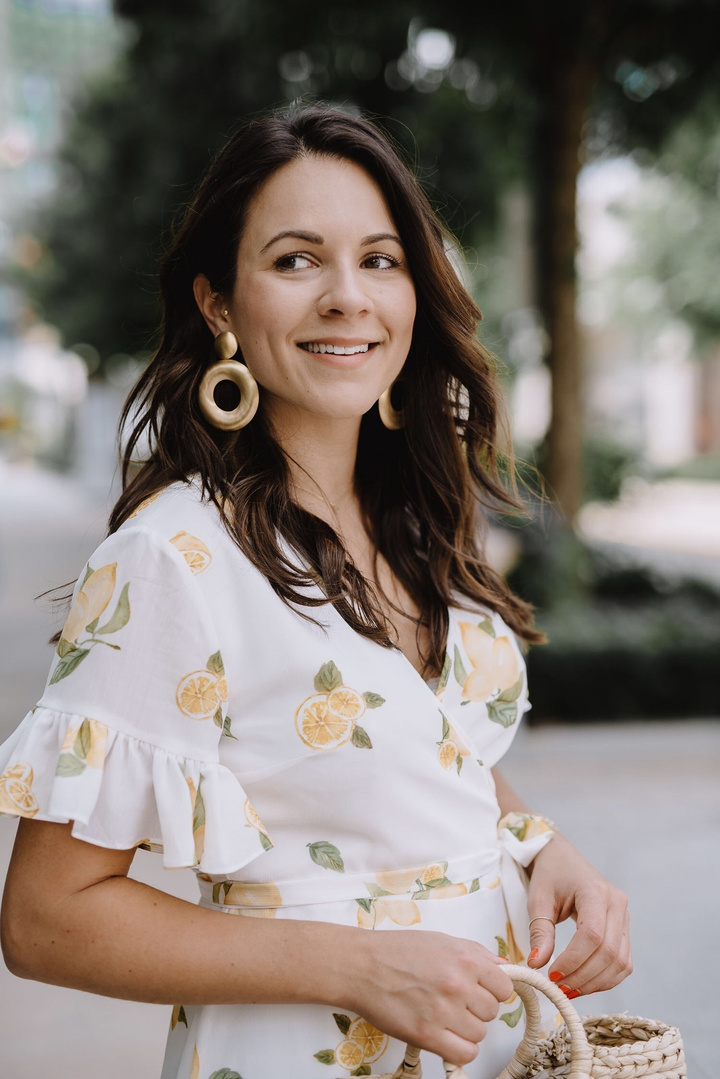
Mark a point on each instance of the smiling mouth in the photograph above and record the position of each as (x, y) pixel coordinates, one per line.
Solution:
(337, 350)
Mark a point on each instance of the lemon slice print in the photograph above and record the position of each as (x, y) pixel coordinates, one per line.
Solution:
(320, 728)
(447, 754)
(16, 795)
(194, 551)
(349, 1055)
(372, 1041)
(197, 695)
(346, 702)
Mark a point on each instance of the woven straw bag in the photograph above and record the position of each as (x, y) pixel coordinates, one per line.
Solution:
(596, 1047)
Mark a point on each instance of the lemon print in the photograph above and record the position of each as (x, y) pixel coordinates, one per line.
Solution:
(195, 1066)
(372, 1041)
(447, 754)
(197, 695)
(398, 881)
(319, 727)
(346, 702)
(222, 689)
(16, 794)
(144, 504)
(434, 872)
(349, 1055)
(194, 551)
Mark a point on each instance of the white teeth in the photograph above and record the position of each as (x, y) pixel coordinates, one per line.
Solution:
(336, 350)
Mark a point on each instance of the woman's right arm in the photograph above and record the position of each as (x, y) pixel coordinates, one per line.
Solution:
(72, 917)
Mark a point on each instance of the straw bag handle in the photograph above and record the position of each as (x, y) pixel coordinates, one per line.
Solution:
(526, 981)
(581, 1053)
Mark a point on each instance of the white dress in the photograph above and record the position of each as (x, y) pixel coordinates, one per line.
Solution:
(301, 770)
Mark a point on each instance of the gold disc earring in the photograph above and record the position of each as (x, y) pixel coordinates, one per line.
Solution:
(228, 370)
(391, 417)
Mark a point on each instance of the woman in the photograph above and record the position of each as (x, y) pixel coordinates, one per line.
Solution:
(289, 664)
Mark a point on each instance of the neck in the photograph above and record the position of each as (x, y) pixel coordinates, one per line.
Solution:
(321, 454)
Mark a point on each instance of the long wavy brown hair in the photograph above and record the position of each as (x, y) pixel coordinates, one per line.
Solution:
(423, 489)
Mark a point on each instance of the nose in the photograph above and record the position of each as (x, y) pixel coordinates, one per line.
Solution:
(345, 292)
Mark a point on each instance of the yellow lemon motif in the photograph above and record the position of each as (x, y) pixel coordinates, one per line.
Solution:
(399, 881)
(320, 728)
(259, 895)
(346, 702)
(195, 1066)
(447, 753)
(194, 551)
(91, 601)
(349, 1055)
(222, 688)
(495, 665)
(197, 695)
(16, 794)
(144, 504)
(372, 1041)
(434, 872)
(448, 891)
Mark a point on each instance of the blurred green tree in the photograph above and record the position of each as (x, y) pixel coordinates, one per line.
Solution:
(523, 88)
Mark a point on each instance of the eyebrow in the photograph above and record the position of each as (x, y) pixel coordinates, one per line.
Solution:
(314, 238)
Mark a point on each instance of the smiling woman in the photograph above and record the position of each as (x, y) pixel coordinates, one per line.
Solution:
(289, 666)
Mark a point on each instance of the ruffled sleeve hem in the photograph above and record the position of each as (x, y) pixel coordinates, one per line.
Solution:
(121, 792)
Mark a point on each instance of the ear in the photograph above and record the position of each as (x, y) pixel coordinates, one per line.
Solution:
(211, 304)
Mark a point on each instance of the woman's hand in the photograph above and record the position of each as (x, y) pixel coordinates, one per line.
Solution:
(563, 885)
(433, 991)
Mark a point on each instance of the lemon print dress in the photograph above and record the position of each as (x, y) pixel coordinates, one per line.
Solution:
(301, 771)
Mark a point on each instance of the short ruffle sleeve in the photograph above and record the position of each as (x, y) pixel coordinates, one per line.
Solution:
(125, 740)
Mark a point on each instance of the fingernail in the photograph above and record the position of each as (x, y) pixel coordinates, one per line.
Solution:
(566, 989)
(502, 959)
(533, 955)
(573, 993)
(556, 976)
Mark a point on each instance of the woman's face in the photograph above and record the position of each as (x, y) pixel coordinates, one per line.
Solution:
(323, 304)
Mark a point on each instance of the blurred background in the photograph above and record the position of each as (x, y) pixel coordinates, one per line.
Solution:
(574, 150)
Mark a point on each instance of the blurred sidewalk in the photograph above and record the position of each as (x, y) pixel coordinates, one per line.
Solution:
(641, 800)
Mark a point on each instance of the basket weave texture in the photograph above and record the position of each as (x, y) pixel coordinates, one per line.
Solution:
(595, 1047)
(624, 1047)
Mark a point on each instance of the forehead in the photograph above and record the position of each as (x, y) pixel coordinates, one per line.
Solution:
(319, 194)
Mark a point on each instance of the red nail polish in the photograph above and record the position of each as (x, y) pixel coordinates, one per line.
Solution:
(573, 993)
(533, 955)
(565, 988)
(502, 959)
(556, 976)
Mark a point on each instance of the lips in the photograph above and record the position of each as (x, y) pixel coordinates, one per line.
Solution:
(337, 350)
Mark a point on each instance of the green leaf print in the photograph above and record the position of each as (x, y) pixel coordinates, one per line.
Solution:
(326, 1056)
(475, 886)
(328, 678)
(227, 727)
(225, 1073)
(364, 1069)
(487, 627)
(445, 729)
(502, 712)
(342, 1022)
(218, 717)
(512, 1018)
(458, 763)
(83, 740)
(69, 765)
(459, 668)
(326, 855)
(265, 840)
(64, 647)
(502, 947)
(513, 692)
(88, 573)
(445, 673)
(366, 904)
(376, 890)
(68, 663)
(121, 614)
(215, 664)
(373, 700)
(437, 882)
(361, 738)
(198, 810)
(182, 1016)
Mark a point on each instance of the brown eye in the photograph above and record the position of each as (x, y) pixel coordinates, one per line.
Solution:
(379, 261)
(294, 261)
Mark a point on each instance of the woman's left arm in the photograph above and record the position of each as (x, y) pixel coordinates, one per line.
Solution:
(564, 885)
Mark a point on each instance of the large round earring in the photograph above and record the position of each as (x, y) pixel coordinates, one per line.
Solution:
(391, 417)
(228, 370)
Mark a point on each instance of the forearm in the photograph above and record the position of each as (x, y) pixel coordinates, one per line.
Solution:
(507, 798)
(124, 939)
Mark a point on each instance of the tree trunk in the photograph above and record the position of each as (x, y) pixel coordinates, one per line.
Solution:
(565, 103)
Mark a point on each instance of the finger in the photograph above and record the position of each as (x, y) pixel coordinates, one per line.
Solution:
(615, 970)
(542, 939)
(592, 914)
(484, 1005)
(449, 1046)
